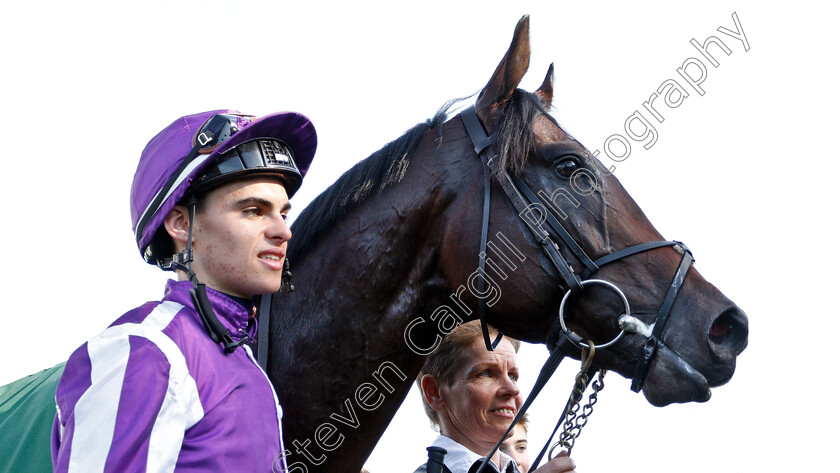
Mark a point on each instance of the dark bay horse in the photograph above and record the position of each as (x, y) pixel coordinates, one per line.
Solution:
(385, 261)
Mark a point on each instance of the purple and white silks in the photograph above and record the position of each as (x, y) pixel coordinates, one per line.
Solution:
(154, 393)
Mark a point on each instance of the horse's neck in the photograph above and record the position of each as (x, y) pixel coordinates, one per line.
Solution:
(341, 334)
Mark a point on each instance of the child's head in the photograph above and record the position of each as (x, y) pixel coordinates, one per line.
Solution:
(516, 446)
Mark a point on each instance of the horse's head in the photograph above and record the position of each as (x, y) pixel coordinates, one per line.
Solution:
(701, 332)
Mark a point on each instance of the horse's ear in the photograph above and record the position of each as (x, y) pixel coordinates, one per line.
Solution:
(508, 74)
(546, 90)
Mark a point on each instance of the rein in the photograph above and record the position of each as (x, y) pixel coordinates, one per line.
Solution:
(523, 199)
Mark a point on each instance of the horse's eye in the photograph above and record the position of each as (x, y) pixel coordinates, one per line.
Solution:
(566, 166)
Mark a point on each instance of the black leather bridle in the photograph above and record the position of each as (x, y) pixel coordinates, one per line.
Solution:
(523, 198)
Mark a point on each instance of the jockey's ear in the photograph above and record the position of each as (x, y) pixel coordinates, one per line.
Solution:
(177, 224)
(507, 76)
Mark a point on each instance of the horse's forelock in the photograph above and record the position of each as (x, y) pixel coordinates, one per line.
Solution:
(515, 138)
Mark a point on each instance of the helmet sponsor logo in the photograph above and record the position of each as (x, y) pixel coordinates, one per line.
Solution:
(274, 152)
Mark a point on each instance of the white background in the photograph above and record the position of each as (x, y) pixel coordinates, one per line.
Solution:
(745, 175)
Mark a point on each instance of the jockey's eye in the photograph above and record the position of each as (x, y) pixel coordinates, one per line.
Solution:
(566, 165)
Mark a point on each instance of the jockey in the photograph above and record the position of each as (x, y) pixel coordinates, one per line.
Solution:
(173, 385)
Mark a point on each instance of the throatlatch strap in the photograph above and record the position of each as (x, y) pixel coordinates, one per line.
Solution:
(482, 264)
(481, 142)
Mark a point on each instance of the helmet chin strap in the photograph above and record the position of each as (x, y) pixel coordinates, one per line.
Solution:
(182, 261)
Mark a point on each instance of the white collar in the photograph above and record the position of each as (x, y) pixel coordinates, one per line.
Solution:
(459, 458)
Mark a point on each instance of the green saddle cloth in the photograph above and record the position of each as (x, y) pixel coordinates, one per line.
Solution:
(27, 409)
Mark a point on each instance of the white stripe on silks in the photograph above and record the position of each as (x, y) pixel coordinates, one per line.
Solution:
(277, 406)
(60, 421)
(96, 410)
(278, 409)
(162, 316)
(181, 407)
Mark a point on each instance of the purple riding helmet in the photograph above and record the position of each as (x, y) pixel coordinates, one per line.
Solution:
(205, 150)
(197, 153)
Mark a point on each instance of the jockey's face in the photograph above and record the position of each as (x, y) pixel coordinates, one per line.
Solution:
(240, 237)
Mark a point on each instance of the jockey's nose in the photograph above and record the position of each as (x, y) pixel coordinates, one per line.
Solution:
(279, 229)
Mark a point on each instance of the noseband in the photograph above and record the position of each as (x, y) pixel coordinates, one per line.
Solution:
(524, 199)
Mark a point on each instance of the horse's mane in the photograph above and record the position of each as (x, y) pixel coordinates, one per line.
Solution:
(377, 171)
(388, 165)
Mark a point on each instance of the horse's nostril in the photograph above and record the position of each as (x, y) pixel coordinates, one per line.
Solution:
(728, 333)
(720, 327)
